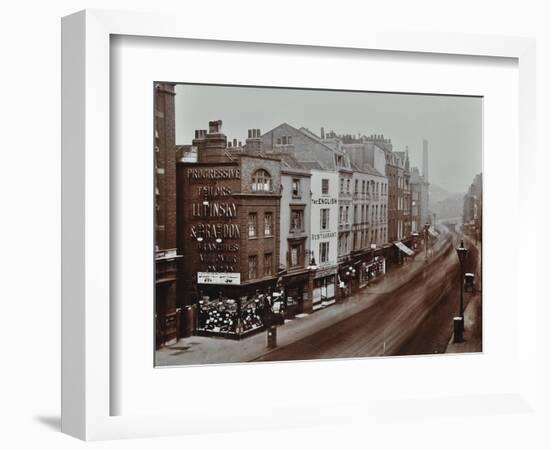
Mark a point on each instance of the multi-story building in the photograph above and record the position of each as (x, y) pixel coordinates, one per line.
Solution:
(295, 234)
(370, 203)
(295, 215)
(228, 229)
(419, 201)
(345, 211)
(167, 258)
(399, 198)
(323, 163)
(324, 233)
(473, 204)
(369, 222)
(404, 194)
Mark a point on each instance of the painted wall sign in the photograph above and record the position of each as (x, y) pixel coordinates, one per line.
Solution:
(324, 201)
(214, 173)
(327, 235)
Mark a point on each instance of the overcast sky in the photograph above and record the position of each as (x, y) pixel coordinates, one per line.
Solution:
(452, 125)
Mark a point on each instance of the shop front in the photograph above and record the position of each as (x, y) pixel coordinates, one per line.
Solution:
(347, 274)
(324, 287)
(375, 269)
(404, 250)
(296, 291)
(237, 311)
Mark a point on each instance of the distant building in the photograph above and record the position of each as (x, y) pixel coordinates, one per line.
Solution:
(473, 209)
(404, 195)
(419, 201)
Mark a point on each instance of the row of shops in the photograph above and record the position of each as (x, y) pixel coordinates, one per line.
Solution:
(238, 311)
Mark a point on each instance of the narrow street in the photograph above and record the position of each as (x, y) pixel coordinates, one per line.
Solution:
(413, 318)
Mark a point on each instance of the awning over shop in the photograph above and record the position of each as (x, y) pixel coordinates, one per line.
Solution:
(404, 248)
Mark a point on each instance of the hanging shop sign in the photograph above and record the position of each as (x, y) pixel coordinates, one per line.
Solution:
(219, 278)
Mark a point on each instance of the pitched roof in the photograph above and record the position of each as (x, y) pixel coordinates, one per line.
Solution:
(290, 161)
(366, 168)
(312, 165)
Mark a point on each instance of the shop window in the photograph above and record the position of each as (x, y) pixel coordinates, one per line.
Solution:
(252, 225)
(324, 219)
(268, 224)
(252, 267)
(261, 181)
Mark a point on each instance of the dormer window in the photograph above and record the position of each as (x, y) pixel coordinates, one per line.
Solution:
(261, 181)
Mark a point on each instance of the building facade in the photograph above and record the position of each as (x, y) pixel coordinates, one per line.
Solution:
(167, 258)
(369, 234)
(472, 218)
(324, 235)
(295, 235)
(322, 162)
(228, 229)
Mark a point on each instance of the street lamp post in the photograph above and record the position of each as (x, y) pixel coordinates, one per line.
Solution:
(459, 321)
(312, 268)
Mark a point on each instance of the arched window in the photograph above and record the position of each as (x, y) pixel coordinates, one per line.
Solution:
(261, 181)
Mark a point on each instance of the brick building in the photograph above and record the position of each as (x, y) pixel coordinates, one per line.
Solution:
(167, 259)
(228, 230)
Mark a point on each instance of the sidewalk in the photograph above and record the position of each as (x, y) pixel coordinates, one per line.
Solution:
(472, 319)
(213, 350)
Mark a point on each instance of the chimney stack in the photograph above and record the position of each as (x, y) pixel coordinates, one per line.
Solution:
(211, 146)
(254, 142)
(425, 173)
(322, 133)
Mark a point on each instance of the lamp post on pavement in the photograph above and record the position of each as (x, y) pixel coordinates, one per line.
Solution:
(312, 268)
(459, 321)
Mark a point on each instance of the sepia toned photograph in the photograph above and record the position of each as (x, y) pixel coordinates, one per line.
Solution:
(302, 224)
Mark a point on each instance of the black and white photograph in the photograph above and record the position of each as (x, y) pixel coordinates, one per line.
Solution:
(303, 224)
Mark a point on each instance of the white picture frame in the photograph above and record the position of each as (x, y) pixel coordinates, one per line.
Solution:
(87, 355)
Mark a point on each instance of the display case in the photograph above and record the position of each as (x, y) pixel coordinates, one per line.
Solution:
(236, 318)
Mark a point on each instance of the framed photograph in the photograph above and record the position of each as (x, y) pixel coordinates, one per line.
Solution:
(251, 219)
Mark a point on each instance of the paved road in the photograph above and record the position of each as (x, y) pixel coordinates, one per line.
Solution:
(413, 318)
